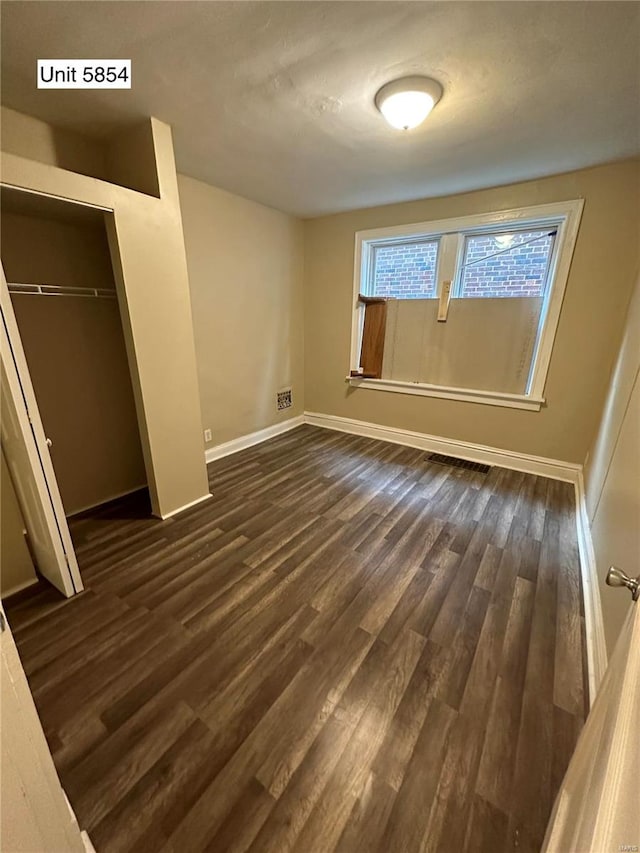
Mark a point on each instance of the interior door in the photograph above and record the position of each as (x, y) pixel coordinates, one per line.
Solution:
(27, 455)
(597, 808)
(35, 814)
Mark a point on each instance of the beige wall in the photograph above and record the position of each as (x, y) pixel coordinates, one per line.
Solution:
(16, 565)
(76, 355)
(78, 365)
(149, 264)
(38, 250)
(124, 157)
(612, 477)
(130, 161)
(245, 275)
(34, 139)
(600, 282)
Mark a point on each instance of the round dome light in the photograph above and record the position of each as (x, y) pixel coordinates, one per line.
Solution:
(406, 103)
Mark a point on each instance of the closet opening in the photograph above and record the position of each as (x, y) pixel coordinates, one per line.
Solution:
(57, 263)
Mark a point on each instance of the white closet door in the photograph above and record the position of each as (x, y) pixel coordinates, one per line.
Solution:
(596, 809)
(35, 812)
(29, 461)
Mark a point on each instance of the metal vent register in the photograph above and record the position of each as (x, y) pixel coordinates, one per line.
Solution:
(454, 462)
(284, 399)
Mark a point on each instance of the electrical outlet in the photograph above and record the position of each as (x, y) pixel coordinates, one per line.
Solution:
(284, 399)
(207, 435)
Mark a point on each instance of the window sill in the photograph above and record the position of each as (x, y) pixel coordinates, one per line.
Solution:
(487, 398)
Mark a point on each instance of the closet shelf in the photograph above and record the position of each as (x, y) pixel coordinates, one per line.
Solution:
(60, 290)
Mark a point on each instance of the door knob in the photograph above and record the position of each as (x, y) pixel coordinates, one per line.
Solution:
(616, 577)
(49, 442)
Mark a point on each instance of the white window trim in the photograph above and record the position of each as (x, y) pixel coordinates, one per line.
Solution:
(568, 212)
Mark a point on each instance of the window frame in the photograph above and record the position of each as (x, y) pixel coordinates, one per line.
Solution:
(564, 215)
(456, 288)
(384, 244)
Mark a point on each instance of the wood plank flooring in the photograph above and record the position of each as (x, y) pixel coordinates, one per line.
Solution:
(348, 648)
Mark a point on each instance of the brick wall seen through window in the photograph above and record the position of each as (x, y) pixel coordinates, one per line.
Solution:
(521, 271)
(406, 270)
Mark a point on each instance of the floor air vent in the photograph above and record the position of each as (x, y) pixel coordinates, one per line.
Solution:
(458, 463)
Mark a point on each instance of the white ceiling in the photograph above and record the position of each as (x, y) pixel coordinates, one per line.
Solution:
(274, 100)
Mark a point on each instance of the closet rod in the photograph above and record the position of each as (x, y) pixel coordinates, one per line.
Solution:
(60, 290)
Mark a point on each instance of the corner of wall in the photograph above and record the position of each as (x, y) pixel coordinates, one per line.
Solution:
(151, 256)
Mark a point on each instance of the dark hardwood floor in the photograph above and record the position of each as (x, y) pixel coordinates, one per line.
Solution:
(347, 648)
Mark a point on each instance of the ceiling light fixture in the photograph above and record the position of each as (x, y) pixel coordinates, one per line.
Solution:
(406, 103)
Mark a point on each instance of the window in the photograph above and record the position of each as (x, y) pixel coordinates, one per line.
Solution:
(463, 308)
(511, 263)
(405, 270)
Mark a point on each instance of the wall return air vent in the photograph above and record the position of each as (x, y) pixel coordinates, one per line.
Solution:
(284, 399)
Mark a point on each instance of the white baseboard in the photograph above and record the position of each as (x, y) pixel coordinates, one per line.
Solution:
(88, 846)
(186, 506)
(552, 468)
(593, 623)
(252, 438)
(84, 835)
